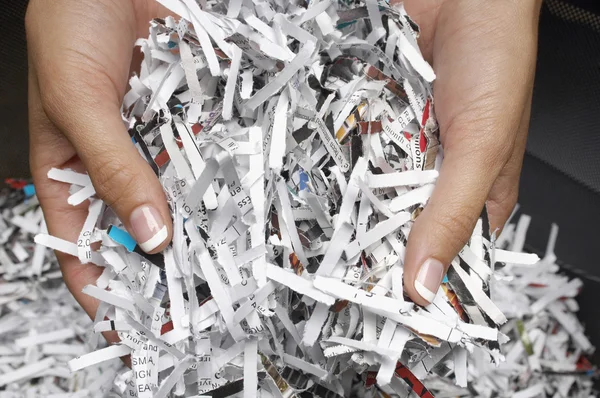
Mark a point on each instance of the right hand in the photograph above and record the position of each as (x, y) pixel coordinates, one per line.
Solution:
(483, 53)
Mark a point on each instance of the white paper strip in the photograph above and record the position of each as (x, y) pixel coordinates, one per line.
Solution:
(105, 354)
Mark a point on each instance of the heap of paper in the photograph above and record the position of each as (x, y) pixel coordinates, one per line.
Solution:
(297, 144)
(41, 326)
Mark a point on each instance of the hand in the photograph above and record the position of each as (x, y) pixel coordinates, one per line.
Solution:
(80, 57)
(483, 53)
(484, 56)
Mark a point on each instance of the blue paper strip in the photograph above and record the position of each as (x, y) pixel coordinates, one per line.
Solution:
(29, 190)
(303, 181)
(122, 237)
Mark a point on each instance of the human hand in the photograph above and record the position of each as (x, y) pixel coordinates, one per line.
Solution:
(483, 53)
(484, 57)
(80, 57)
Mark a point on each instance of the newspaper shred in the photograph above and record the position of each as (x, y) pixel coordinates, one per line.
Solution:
(42, 327)
(297, 143)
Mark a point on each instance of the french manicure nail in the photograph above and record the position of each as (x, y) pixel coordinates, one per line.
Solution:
(148, 227)
(429, 279)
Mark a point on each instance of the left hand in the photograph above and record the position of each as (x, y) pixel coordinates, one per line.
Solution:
(81, 54)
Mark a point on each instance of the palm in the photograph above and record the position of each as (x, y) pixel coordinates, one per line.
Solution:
(79, 73)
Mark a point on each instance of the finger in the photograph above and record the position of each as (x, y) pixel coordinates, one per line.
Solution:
(81, 84)
(121, 177)
(446, 223)
(49, 148)
(505, 191)
(480, 93)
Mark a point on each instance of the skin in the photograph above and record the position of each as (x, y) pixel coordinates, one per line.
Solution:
(484, 55)
(81, 56)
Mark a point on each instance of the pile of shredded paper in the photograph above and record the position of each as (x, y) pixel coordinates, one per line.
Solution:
(297, 144)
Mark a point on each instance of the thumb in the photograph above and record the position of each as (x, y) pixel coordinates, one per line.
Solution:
(121, 177)
(82, 99)
(447, 222)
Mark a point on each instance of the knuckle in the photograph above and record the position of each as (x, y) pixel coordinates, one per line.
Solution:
(54, 100)
(503, 152)
(81, 72)
(481, 138)
(115, 182)
(507, 197)
(455, 228)
(496, 153)
(503, 201)
(80, 80)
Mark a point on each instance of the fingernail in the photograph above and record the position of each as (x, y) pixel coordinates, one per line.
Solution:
(429, 279)
(148, 227)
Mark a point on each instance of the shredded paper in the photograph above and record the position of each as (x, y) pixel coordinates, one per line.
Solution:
(296, 144)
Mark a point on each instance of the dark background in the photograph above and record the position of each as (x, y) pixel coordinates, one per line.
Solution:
(561, 174)
(560, 182)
